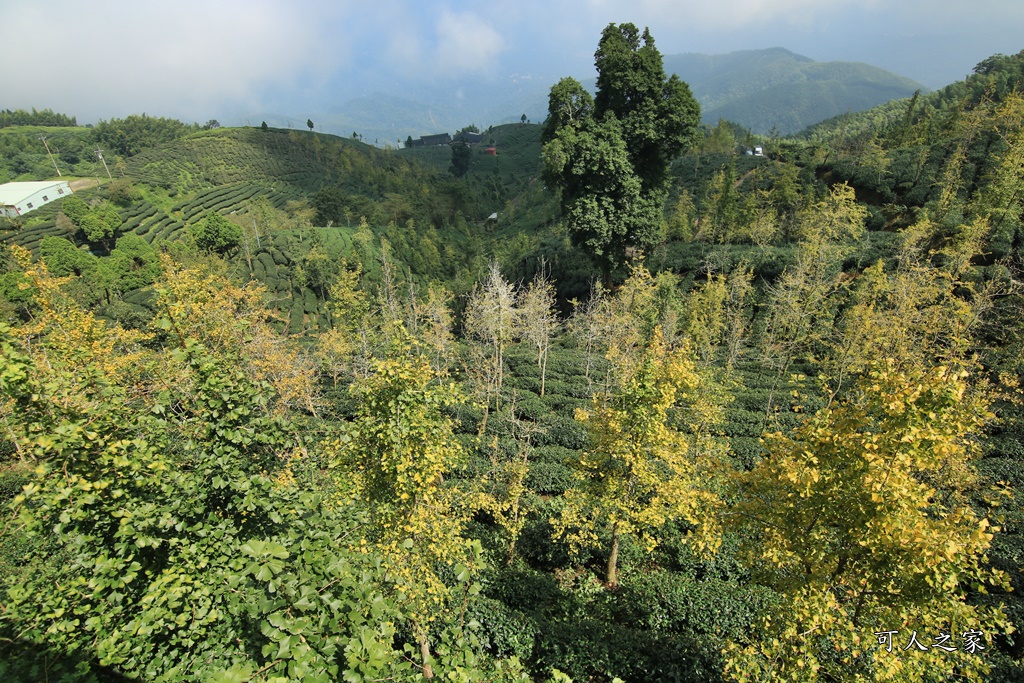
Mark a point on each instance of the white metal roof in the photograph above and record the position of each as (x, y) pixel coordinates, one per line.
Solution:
(13, 193)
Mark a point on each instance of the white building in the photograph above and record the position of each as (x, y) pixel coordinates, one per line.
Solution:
(19, 198)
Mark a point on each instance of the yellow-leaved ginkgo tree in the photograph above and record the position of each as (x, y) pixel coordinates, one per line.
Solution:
(859, 520)
(393, 457)
(637, 472)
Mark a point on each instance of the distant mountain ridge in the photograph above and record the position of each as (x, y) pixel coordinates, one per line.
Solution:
(761, 90)
(776, 88)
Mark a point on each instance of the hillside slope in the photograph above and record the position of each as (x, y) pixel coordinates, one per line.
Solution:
(775, 88)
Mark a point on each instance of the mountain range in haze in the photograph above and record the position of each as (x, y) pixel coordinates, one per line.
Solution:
(762, 90)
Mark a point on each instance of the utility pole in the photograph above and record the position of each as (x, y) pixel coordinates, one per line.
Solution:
(43, 138)
(99, 153)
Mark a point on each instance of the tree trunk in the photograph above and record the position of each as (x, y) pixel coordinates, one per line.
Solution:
(543, 370)
(428, 671)
(612, 577)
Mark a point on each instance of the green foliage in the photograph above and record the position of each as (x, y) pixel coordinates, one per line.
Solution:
(331, 205)
(179, 572)
(123, 192)
(94, 228)
(130, 135)
(609, 156)
(659, 116)
(460, 160)
(46, 117)
(602, 198)
(216, 233)
(241, 487)
(109, 218)
(132, 264)
(63, 258)
(97, 223)
(75, 208)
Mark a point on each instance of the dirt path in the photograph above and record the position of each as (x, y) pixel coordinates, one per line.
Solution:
(83, 183)
(735, 185)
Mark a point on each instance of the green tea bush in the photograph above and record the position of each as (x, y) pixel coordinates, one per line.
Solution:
(538, 549)
(747, 451)
(145, 298)
(558, 455)
(530, 406)
(504, 632)
(549, 478)
(524, 384)
(13, 475)
(562, 431)
(593, 650)
(670, 602)
(743, 423)
(309, 301)
(526, 591)
(279, 257)
(131, 316)
(560, 403)
(268, 262)
(295, 321)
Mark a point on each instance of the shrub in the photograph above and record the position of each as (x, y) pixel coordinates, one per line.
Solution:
(563, 431)
(216, 233)
(549, 478)
(123, 192)
(504, 632)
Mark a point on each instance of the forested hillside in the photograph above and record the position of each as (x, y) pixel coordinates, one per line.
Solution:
(282, 406)
(775, 89)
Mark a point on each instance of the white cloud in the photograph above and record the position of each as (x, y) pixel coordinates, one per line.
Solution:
(466, 44)
(721, 14)
(195, 58)
(118, 57)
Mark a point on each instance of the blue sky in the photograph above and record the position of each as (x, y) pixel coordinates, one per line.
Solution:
(197, 60)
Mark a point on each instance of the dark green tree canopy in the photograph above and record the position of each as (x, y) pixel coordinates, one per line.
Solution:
(569, 106)
(97, 223)
(460, 160)
(75, 208)
(660, 116)
(134, 133)
(609, 154)
(216, 233)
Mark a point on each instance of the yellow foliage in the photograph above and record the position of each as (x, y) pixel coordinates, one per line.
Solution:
(917, 315)
(64, 334)
(395, 454)
(233, 321)
(892, 555)
(637, 472)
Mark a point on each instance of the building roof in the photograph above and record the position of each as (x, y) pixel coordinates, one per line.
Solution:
(437, 139)
(13, 193)
(466, 136)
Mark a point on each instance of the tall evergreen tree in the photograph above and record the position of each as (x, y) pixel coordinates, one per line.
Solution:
(609, 155)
